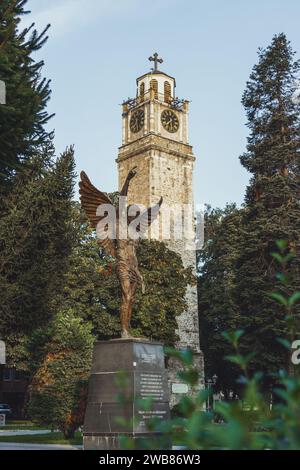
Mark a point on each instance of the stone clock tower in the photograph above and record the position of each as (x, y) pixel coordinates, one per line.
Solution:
(156, 141)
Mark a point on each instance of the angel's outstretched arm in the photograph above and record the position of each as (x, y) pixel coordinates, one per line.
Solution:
(125, 188)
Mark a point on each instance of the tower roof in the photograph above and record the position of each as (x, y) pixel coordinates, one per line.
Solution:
(154, 71)
(157, 72)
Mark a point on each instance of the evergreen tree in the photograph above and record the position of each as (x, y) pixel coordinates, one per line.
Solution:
(218, 311)
(36, 238)
(272, 209)
(24, 116)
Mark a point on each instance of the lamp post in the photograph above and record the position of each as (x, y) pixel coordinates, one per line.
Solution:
(210, 383)
(2, 92)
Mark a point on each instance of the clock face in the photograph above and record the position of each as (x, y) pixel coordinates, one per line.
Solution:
(137, 121)
(169, 120)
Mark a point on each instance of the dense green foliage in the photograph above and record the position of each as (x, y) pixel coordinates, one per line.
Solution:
(36, 237)
(58, 388)
(24, 116)
(216, 291)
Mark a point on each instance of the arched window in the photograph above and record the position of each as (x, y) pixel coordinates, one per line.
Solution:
(167, 92)
(154, 86)
(142, 91)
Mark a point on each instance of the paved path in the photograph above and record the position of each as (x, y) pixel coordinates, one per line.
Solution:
(24, 432)
(20, 446)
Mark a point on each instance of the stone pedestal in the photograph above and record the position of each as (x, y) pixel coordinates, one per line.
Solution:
(140, 366)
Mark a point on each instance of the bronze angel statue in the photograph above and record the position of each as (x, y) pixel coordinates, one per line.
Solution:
(96, 205)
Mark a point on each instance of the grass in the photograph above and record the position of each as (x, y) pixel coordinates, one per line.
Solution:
(21, 426)
(51, 438)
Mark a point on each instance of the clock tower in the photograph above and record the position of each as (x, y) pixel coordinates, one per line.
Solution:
(155, 139)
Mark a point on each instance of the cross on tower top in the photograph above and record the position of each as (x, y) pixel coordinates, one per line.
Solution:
(154, 58)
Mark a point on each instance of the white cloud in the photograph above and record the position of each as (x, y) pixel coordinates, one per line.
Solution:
(65, 15)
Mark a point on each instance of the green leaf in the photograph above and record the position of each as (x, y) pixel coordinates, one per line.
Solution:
(185, 356)
(240, 360)
(235, 359)
(284, 342)
(278, 257)
(233, 336)
(281, 277)
(288, 257)
(282, 244)
(186, 405)
(294, 298)
(190, 377)
(279, 298)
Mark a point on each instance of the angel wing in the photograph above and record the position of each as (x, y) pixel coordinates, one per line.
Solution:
(147, 217)
(91, 198)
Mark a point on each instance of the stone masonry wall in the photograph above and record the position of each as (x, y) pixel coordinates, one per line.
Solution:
(165, 168)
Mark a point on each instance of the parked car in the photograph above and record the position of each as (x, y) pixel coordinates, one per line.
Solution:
(5, 410)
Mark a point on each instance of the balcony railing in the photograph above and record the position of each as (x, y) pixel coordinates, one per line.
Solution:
(174, 103)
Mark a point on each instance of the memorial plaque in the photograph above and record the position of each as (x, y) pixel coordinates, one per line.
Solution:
(149, 356)
(151, 385)
(158, 411)
(180, 388)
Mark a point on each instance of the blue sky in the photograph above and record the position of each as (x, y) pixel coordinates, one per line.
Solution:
(97, 48)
